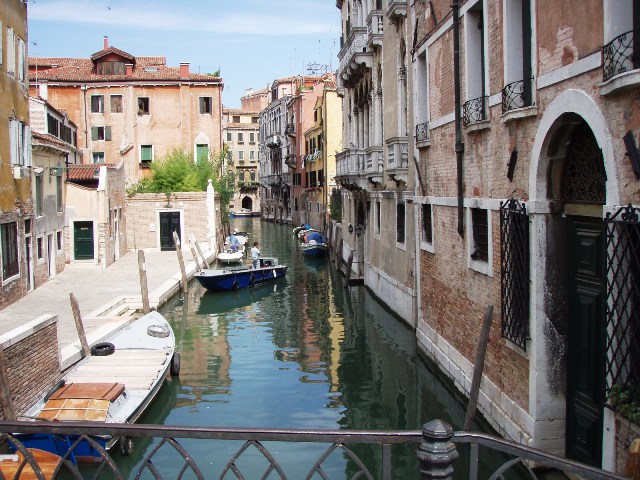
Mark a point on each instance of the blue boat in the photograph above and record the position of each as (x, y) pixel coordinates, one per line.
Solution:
(235, 278)
(315, 245)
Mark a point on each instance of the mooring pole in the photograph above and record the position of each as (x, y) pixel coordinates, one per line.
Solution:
(5, 393)
(75, 308)
(144, 289)
(181, 261)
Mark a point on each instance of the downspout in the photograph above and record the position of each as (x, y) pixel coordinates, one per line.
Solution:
(459, 147)
(86, 120)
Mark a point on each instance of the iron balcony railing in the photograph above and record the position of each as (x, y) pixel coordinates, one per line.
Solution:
(474, 111)
(422, 132)
(517, 95)
(619, 56)
(168, 456)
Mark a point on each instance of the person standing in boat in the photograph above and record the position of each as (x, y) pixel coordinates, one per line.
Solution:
(255, 255)
(233, 241)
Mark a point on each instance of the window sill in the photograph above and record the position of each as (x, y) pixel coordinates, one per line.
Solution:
(423, 144)
(516, 348)
(520, 113)
(620, 83)
(427, 247)
(144, 165)
(12, 278)
(481, 267)
(478, 126)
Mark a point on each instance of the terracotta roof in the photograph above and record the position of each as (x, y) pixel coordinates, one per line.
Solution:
(83, 172)
(253, 126)
(84, 70)
(237, 111)
(114, 50)
(48, 139)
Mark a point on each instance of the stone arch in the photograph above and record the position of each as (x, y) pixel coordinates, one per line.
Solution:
(551, 141)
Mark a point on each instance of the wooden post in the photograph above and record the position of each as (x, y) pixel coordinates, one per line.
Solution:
(5, 393)
(195, 256)
(478, 367)
(181, 261)
(632, 468)
(75, 308)
(142, 269)
(192, 238)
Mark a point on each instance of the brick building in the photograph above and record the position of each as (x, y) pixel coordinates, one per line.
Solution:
(521, 118)
(133, 109)
(16, 206)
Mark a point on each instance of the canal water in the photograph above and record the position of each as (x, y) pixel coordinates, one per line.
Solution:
(305, 353)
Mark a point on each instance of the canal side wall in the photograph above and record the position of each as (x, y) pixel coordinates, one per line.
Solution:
(32, 361)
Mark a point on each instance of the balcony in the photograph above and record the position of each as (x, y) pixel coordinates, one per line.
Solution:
(355, 58)
(375, 28)
(290, 160)
(351, 169)
(620, 63)
(290, 130)
(422, 135)
(398, 159)
(397, 10)
(273, 141)
(517, 95)
(374, 158)
(474, 111)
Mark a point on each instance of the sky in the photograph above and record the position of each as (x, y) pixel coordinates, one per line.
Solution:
(251, 42)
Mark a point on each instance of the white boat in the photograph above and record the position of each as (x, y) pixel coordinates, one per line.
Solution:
(114, 384)
(228, 257)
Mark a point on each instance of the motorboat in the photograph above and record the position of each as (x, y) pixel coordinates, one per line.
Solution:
(235, 278)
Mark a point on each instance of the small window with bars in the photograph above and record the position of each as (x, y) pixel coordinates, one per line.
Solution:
(480, 239)
(400, 223)
(427, 223)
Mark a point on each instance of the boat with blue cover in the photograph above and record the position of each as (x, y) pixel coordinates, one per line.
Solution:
(235, 278)
(314, 245)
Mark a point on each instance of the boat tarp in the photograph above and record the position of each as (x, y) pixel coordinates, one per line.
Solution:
(316, 237)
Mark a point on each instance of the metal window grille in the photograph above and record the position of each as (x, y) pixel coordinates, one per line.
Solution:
(480, 227)
(623, 301)
(400, 223)
(427, 226)
(619, 56)
(514, 244)
(474, 111)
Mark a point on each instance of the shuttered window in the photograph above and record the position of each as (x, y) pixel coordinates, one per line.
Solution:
(146, 153)
(9, 241)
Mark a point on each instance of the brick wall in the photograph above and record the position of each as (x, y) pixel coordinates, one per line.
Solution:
(32, 364)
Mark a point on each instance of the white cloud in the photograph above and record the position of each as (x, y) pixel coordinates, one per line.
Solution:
(262, 18)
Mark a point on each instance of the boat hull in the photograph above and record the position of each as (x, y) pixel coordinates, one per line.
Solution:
(244, 214)
(220, 280)
(317, 250)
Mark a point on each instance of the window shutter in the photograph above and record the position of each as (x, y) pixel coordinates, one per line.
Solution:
(107, 133)
(201, 104)
(11, 52)
(1, 35)
(22, 52)
(13, 140)
(27, 146)
(94, 133)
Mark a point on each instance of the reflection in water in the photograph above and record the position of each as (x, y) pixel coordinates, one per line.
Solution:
(305, 352)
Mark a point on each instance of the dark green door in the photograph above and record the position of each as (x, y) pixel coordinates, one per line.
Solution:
(83, 235)
(169, 223)
(585, 366)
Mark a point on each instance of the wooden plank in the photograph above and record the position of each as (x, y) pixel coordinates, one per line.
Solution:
(75, 409)
(131, 383)
(109, 391)
(46, 461)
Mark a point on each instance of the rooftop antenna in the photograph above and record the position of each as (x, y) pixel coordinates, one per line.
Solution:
(35, 45)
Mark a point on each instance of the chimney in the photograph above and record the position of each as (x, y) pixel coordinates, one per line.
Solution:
(129, 67)
(54, 69)
(43, 90)
(106, 42)
(184, 70)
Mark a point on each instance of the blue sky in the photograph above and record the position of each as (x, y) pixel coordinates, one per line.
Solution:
(252, 41)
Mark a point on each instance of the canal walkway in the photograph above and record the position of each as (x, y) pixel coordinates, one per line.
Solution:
(108, 298)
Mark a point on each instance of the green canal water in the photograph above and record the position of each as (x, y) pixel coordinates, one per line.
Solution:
(304, 353)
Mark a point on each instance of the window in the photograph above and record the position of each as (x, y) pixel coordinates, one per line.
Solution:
(480, 230)
(202, 152)
(9, 240)
(39, 193)
(240, 154)
(146, 153)
(98, 157)
(400, 223)
(240, 137)
(59, 239)
(116, 103)
(255, 120)
(22, 63)
(11, 52)
(40, 248)
(241, 175)
(474, 109)
(20, 143)
(59, 202)
(111, 68)
(143, 105)
(100, 133)
(252, 155)
(1, 32)
(229, 137)
(97, 103)
(517, 92)
(205, 105)
(252, 174)
(377, 218)
(236, 119)
(427, 225)
(252, 137)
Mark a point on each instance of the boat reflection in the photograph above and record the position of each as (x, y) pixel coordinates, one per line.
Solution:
(213, 303)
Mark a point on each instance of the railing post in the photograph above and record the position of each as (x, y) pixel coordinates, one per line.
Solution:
(436, 452)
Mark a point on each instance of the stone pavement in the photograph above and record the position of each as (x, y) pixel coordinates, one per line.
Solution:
(108, 298)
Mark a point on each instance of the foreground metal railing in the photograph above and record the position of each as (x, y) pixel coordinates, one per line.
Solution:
(437, 452)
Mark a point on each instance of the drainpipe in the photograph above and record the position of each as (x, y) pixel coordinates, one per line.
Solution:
(456, 86)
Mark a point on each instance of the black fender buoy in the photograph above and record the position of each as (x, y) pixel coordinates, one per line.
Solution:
(54, 389)
(103, 349)
(126, 446)
(235, 285)
(174, 369)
